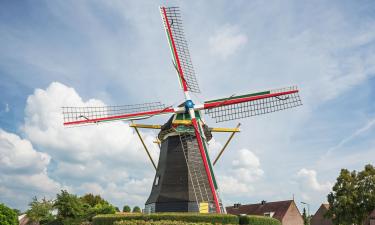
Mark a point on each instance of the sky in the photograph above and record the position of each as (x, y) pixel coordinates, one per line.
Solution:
(79, 53)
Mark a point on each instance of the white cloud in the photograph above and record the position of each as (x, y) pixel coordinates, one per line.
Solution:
(106, 158)
(18, 154)
(232, 186)
(214, 147)
(226, 41)
(242, 174)
(7, 108)
(24, 171)
(247, 166)
(309, 182)
(370, 124)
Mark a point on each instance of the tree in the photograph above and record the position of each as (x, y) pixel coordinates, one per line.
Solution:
(68, 206)
(92, 200)
(136, 209)
(126, 208)
(366, 193)
(94, 205)
(7, 215)
(306, 219)
(40, 211)
(352, 197)
(100, 208)
(18, 212)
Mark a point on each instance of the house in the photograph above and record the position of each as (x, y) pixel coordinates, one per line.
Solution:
(371, 218)
(24, 220)
(284, 211)
(318, 218)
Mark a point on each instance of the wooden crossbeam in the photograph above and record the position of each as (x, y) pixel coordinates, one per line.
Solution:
(144, 145)
(226, 144)
(147, 126)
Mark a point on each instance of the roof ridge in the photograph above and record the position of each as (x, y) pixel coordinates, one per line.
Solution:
(260, 203)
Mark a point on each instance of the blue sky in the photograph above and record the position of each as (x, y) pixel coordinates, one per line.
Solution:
(80, 52)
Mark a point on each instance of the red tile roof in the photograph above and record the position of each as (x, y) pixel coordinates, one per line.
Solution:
(279, 208)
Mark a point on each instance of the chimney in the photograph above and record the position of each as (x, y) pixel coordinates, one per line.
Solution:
(236, 205)
(263, 202)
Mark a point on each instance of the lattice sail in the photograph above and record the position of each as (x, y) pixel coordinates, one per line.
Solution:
(236, 107)
(179, 48)
(198, 177)
(93, 114)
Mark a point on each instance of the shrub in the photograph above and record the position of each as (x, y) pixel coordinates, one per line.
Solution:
(184, 217)
(40, 211)
(136, 209)
(126, 208)
(93, 200)
(68, 206)
(258, 220)
(99, 208)
(7, 215)
(160, 222)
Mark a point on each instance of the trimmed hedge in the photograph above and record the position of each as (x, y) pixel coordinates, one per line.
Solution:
(160, 222)
(258, 220)
(109, 219)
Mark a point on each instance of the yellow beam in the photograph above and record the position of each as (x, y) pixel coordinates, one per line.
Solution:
(226, 144)
(145, 126)
(158, 142)
(144, 145)
(222, 129)
(182, 122)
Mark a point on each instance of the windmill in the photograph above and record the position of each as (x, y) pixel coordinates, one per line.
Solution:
(184, 179)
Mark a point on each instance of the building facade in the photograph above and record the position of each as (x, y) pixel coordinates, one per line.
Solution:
(319, 219)
(284, 211)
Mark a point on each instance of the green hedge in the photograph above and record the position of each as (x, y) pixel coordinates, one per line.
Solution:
(109, 219)
(160, 222)
(258, 220)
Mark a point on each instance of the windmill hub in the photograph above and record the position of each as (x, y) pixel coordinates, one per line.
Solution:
(189, 104)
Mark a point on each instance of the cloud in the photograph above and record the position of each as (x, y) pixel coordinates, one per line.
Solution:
(240, 178)
(214, 147)
(351, 137)
(7, 108)
(226, 41)
(18, 154)
(24, 171)
(309, 184)
(107, 158)
(247, 166)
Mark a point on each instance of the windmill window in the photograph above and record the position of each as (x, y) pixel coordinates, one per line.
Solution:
(156, 183)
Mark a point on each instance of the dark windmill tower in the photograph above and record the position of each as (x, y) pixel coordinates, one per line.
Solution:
(184, 179)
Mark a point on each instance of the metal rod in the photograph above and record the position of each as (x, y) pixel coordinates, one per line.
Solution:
(144, 145)
(158, 142)
(222, 129)
(226, 144)
(147, 126)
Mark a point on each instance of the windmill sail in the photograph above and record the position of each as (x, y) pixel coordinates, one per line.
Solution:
(179, 49)
(202, 178)
(87, 115)
(193, 159)
(236, 107)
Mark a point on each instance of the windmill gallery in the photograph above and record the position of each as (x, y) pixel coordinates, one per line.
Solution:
(184, 179)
